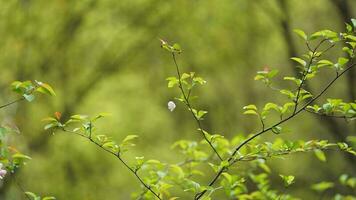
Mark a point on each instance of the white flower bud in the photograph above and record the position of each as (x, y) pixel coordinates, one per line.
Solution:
(171, 106)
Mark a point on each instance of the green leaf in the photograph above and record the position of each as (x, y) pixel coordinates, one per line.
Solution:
(323, 63)
(288, 180)
(287, 106)
(341, 62)
(343, 179)
(50, 119)
(21, 156)
(129, 138)
(48, 198)
(272, 73)
(111, 145)
(16, 84)
(200, 80)
(102, 138)
(201, 113)
(264, 167)
(270, 106)
(166, 46)
(259, 77)
(290, 94)
(51, 125)
(79, 117)
(227, 176)
(214, 167)
(350, 37)
(301, 34)
(353, 23)
(46, 89)
(320, 155)
(300, 61)
(139, 161)
(297, 81)
(172, 81)
(32, 195)
(185, 76)
(250, 112)
(177, 48)
(178, 171)
(328, 34)
(153, 162)
(250, 107)
(322, 186)
(277, 129)
(224, 163)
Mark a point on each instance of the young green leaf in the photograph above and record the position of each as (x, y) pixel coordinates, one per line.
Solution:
(301, 34)
(322, 186)
(320, 155)
(250, 112)
(46, 89)
(300, 61)
(250, 107)
(288, 180)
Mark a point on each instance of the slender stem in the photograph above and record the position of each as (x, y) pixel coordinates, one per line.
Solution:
(306, 72)
(187, 103)
(19, 99)
(117, 155)
(12, 102)
(262, 122)
(21, 188)
(231, 158)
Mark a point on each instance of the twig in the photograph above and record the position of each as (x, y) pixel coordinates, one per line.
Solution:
(187, 103)
(262, 122)
(12, 102)
(117, 155)
(305, 73)
(20, 187)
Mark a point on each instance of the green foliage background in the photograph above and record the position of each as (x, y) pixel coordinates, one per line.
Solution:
(104, 56)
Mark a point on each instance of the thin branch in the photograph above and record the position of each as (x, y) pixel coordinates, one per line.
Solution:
(12, 102)
(308, 46)
(306, 72)
(231, 158)
(262, 122)
(187, 103)
(117, 155)
(327, 49)
(21, 188)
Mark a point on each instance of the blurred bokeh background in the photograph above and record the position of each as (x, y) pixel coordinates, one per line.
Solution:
(105, 56)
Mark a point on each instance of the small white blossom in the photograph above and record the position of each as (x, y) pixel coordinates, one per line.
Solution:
(2, 171)
(171, 106)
